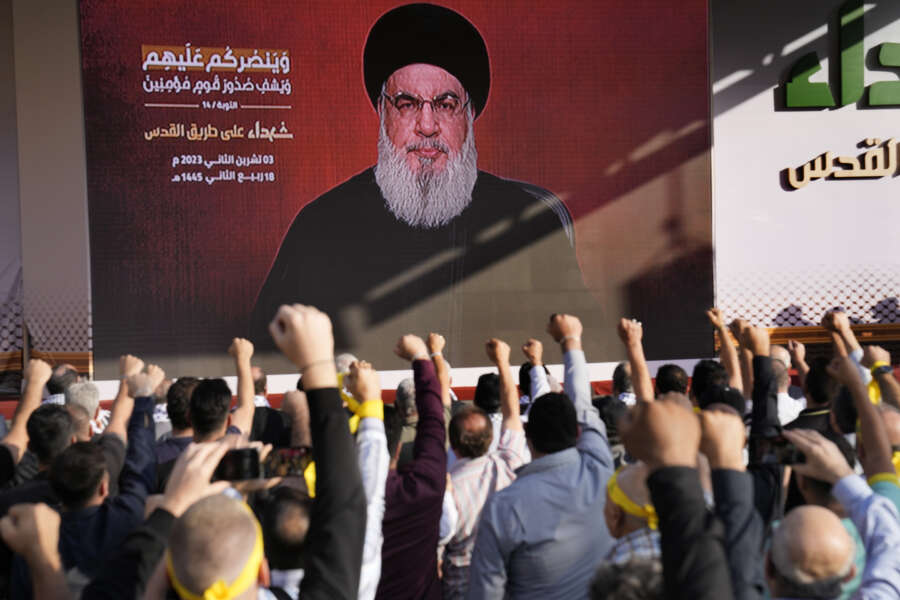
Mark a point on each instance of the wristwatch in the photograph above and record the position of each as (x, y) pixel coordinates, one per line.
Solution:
(881, 370)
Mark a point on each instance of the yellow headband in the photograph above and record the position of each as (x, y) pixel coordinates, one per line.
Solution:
(220, 590)
(631, 507)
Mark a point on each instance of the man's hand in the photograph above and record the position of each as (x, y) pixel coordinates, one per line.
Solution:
(534, 352)
(661, 433)
(875, 354)
(436, 343)
(241, 350)
(630, 331)
(737, 328)
(755, 339)
(303, 334)
(37, 373)
(411, 347)
(362, 382)
(722, 440)
(824, 461)
(497, 351)
(129, 365)
(797, 351)
(836, 321)
(716, 318)
(564, 326)
(32, 530)
(141, 385)
(842, 370)
(190, 476)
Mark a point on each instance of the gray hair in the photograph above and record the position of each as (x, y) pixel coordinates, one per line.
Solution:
(343, 361)
(405, 400)
(84, 394)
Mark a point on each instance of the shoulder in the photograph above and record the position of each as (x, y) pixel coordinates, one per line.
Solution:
(526, 194)
(351, 191)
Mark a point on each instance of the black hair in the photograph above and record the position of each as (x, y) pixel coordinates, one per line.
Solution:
(638, 579)
(552, 424)
(76, 474)
(844, 410)
(707, 373)
(285, 522)
(819, 386)
(178, 401)
(60, 382)
(470, 441)
(671, 378)
(209, 406)
(50, 429)
(723, 394)
(259, 385)
(611, 410)
(621, 379)
(393, 428)
(525, 378)
(487, 393)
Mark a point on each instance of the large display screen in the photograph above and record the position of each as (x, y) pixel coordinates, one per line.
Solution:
(467, 170)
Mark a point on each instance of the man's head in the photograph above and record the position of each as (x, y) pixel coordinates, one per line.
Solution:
(427, 74)
(405, 401)
(626, 495)
(671, 378)
(552, 424)
(63, 376)
(621, 379)
(209, 409)
(178, 402)
(782, 376)
(811, 555)
(285, 522)
(818, 386)
(217, 539)
(487, 393)
(706, 373)
(638, 579)
(471, 432)
(84, 394)
(81, 422)
(50, 430)
(343, 361)
(781, 354)
(723, 395)
(260, 383)
(79, 476)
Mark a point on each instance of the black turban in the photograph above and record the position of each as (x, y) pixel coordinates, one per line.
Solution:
(429, 34)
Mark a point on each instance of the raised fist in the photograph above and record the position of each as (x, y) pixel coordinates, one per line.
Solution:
(303, 334)
(141, 385)
(436, 343)
(797, 351)
(630, 331)
(241, 349)
(564, 326)
(534, 352)
(411, 346)
(129, 365)
(37, 372)
(497, 351)
(716, 318)
(875, 354)
(756, 339)
(362, 382)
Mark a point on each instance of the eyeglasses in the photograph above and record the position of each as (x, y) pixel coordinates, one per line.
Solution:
(445, 106)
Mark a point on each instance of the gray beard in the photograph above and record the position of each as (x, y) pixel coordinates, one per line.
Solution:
(427, 199)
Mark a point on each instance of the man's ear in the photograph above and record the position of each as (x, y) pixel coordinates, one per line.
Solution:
(850, 574)
(103, 488)
(264, 578)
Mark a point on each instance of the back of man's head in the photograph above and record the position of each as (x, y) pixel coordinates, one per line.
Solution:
(471, 432)
(723, 394)
(811, 556)
(621, 379)
(76, 474)
(820, 388)
(50, 430)
(393, 428)
(405, 401)
(343, 361)
(84, 394)
(552, 423)
(260, 381)
(671, 378)
(81, 422)
(487, 393)
(629, 486)
(611, 410)
(209, 408)
(782, 376)
(178, 402)
(285, 522)
(781, 354)
(214, 540)
(707, 373)
(638, 579)
(63, 376)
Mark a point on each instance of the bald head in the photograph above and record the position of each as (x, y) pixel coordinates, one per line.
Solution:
(811, 555)
(211, 541)
(470, 432)
(632, 480)
(780, 353)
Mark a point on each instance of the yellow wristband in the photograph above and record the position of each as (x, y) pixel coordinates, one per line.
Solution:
(879, 477)
(371, 409)
(878, 365)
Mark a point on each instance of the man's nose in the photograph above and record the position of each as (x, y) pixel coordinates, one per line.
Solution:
(426, 124)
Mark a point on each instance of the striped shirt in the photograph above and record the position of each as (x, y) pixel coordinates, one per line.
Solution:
(641, 543)
(474, 481)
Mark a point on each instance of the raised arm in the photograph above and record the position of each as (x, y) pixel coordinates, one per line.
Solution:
(37, 374)
(798, 359)
(123, 405)
(631, 332)
(374, 462)
(534, 353)
(878, 361)
(745, 357)
(436, 343)
(32, 530)
(498, 353)
(336, 534)
(242, 417)
(838, 322)
(877, 456)
(728, 354)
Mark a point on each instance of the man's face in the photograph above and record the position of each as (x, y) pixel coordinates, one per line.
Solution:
(427, 137)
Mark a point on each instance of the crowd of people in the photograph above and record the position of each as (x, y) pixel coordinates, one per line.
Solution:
(730, 483)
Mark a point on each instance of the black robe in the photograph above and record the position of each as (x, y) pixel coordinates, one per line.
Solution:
(498, 269)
